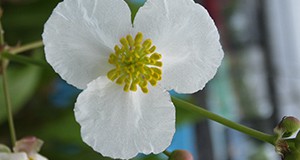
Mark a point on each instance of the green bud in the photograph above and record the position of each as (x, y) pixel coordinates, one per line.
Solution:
(287, 126)
(181, 155)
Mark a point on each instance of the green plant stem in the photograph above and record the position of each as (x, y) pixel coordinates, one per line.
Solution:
(8, 104)
(27, 47)
(168, 154)
(3, 67)
(205, 113)
(1, 35)
(24, 59)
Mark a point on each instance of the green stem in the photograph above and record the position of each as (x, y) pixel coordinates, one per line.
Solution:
(168, 154)
(3, 67)
(205, 113)
(24, 59)
(1, 30)
(27, 47)
(8, 103)
(1, 35)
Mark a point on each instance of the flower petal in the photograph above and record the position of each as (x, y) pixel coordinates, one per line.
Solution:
(80, 35)
(121, 124)
(30, 145)
(187, 38)
(13, 156)
(4, 148)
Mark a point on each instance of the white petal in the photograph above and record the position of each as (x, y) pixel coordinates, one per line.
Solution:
(120, 124)
(187, 38)
(13, 156)
(80, 35)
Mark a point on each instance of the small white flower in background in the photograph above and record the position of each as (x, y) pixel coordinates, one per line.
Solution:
(13, 156)
(25, 149)
(125, 69)
(5, 154)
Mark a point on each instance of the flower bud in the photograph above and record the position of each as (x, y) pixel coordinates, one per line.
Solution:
(287, 127)
(181, 155)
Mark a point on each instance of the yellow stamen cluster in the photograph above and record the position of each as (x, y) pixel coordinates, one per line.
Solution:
(136, 63)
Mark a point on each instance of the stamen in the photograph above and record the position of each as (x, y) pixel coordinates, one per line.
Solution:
(136, 64)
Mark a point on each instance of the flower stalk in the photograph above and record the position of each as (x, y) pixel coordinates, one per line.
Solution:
(24, 59)
(1, 29)
(27, 47)
(8, 103)
(205, 113)
(4, 63)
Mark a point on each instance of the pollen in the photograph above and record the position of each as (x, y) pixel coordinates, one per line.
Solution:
(136, 64)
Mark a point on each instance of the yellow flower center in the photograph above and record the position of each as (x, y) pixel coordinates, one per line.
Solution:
(136, 63)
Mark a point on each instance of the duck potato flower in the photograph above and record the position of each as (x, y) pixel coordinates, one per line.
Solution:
(126, 69)
(31, 146)
(13, 156)
(25, 149)
(21, 156)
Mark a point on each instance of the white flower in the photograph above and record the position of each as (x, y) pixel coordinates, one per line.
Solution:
(20, 156)
(31, 146)
(25, 149)
(126, 69)
(13, 156)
